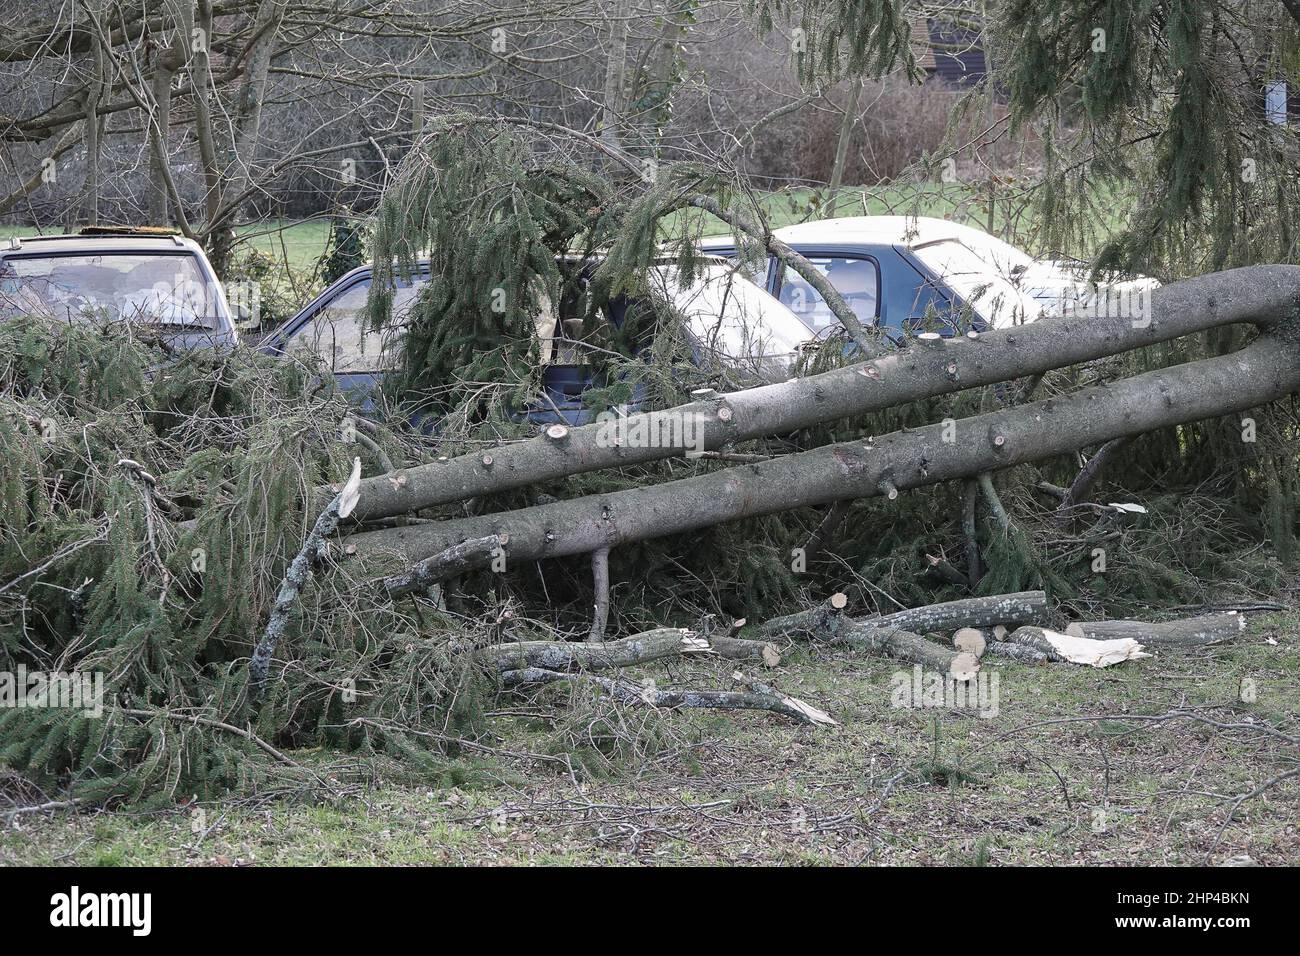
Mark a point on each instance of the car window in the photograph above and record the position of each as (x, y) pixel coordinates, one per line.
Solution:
(988, 292)
(855, 279)
(340, 334)
(156, 288)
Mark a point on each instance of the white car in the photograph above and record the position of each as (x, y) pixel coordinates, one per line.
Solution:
(732, 321)
(899, 272)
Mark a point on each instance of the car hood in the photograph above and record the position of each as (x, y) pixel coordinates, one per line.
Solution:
(734, 321)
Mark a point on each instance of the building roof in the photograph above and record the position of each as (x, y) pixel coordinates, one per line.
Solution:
(952, 53)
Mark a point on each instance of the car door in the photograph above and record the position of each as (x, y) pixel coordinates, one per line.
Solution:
(335, 328)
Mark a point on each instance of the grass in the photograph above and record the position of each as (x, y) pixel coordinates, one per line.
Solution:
(890, 786)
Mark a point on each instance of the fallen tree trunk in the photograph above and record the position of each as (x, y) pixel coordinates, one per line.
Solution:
(1033, 639)
(819, 623)
(641, 648)
(629, 693)
(1022, 607)
(1262, 372)
(1019, 652)
(565, 655)
(1259, 294)
(740, 649)
(1189, 632)
(895, 635)
(910, 647)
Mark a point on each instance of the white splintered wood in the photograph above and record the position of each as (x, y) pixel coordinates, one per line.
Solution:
(1081, 650)
(351, 492)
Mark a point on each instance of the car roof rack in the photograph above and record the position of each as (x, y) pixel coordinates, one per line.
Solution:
(160, 231)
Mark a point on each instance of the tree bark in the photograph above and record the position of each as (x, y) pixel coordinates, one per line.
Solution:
(1017, 652)
(1020, 607)
(847, 122)
(1261, 372)
(569, 655)
(600, 590)
(94, 148)
(1032, 639)
(1189, 632)
(822, 622)
(1258, 294)
(615, 74)
(156, 137)
(448, 563)
(969, 530)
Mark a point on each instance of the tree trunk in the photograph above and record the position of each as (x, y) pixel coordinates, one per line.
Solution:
(615, 70)
(1262, 372)
(849, 120)
(1021, 607)
(94, 94)
(157, 138)
(1189, 632)
(1256, 294)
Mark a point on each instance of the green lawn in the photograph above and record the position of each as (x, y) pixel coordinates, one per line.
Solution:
(1034, 784)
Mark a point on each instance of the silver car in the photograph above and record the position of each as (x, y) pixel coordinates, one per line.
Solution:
(117, 276)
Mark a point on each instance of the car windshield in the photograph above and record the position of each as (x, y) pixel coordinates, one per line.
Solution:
(159, 289)
(989, 292)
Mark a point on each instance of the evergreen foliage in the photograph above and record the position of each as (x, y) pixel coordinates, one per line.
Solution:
(148, 505)
(1163, 100)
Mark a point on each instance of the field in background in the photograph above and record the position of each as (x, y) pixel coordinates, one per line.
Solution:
(1064, 773)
